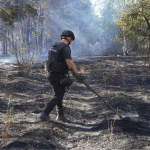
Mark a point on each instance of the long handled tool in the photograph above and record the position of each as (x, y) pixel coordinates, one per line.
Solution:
(88, 86)
(101, 98)
(123, 118)
(126, 118)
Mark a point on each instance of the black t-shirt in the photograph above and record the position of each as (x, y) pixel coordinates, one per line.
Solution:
(65, 53)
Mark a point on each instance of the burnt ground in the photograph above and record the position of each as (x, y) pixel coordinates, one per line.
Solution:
(123, 82)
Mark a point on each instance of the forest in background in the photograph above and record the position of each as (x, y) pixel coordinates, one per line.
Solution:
(30, 27)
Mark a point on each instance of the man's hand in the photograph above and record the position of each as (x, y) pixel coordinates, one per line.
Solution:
(75, 73)
(79, 77)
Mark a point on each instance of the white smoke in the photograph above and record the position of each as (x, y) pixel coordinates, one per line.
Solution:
(84, 21)
(98, 6)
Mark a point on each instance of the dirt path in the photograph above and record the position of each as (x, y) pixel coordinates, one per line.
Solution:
(123, 82)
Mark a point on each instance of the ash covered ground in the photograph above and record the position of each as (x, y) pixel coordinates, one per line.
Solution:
(123, 82)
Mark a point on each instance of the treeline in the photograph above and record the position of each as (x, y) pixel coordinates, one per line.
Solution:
(28, 26)
(21, 26)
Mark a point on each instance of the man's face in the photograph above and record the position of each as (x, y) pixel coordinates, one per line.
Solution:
(70, 39)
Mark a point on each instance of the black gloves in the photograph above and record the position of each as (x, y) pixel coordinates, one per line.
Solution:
(79, 77)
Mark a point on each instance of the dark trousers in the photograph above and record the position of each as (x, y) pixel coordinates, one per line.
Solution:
(59, 90)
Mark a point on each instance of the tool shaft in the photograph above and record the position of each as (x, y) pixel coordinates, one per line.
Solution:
(88, 86)
(101, 98)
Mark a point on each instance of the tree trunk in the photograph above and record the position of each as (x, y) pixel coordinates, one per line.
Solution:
(28, 32)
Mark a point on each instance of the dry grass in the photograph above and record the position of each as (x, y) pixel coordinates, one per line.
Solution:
(7, 120)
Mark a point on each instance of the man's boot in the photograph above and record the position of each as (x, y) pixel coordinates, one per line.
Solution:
(45, 117)
(60, 115)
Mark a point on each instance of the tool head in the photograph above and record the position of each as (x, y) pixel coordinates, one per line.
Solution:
(130, 119)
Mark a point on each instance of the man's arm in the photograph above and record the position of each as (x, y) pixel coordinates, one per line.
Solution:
(70, 65)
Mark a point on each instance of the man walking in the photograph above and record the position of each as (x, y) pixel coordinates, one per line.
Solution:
(57, 65)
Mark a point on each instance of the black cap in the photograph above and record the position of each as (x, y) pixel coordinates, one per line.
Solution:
(67, 33)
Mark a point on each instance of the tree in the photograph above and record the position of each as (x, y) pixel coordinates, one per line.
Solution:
(12, 14)
(134, 22)
(15, 10)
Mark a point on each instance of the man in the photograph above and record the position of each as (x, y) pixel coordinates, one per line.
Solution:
(57, 64)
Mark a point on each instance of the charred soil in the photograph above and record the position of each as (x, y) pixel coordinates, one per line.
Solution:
(123, 82)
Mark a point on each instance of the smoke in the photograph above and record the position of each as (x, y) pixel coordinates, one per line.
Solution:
(98, 6)
(87, 19)
(7, 59)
